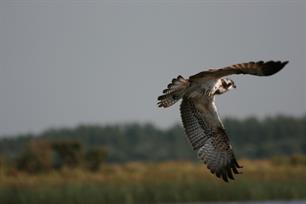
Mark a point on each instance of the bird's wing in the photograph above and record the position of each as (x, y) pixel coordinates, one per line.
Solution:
(207, 135)
(259, 68)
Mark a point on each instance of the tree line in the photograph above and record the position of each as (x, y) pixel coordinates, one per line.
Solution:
(250, 137)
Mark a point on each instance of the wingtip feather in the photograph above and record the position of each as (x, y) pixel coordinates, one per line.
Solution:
(272, 67)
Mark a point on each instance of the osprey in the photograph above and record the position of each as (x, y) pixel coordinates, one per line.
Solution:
(201, 122)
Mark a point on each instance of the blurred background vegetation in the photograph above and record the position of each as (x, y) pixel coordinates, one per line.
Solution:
(251, 138)
(140, 163)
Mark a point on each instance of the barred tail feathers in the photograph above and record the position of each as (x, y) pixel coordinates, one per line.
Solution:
(175, 91)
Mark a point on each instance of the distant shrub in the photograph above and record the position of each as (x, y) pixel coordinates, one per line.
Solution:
(2, 162)
(43, 155)
(67, 153)
(94, 158)
(298, 159)
(29, 162)
(295, 159)
(37, 157)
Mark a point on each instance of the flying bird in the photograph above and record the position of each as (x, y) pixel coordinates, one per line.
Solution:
(203, 127)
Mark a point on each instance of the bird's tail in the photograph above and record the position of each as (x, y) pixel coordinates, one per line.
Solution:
(175, 91)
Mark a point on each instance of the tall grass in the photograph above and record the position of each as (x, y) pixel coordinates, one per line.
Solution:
(154, 183)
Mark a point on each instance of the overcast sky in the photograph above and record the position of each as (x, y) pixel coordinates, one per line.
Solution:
(64, 63)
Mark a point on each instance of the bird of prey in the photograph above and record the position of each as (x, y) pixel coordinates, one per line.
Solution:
(203, 127)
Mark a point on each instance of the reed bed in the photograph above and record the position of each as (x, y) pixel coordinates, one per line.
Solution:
(180, 181)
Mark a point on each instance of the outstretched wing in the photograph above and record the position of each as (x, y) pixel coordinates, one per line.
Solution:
(206, 134)
(259, 68)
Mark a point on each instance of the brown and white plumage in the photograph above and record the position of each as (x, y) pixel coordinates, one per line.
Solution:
(203, 127)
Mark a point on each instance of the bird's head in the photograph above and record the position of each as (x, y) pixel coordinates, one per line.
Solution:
(228, 83)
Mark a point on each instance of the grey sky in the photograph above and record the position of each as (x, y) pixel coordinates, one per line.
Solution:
(63, 63)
